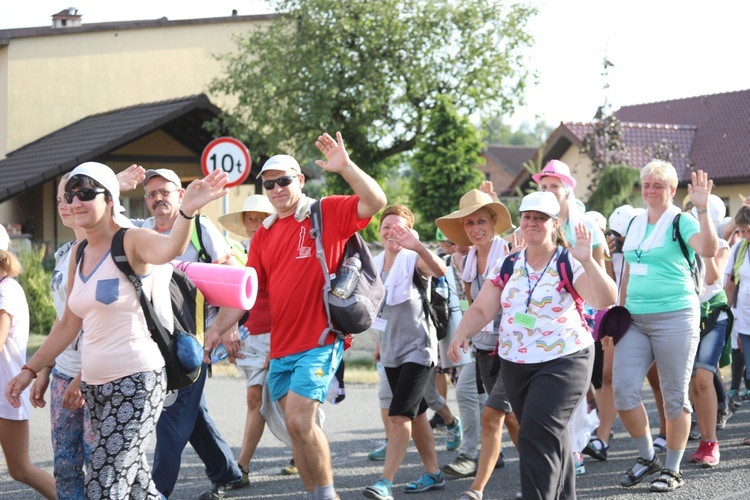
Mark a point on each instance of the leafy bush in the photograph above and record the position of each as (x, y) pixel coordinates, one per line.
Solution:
(35, 280)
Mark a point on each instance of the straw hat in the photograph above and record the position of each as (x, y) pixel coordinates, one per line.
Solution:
(254, 203)
(452, 225)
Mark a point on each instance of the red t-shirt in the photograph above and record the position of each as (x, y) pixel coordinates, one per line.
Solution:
(259, 319)
(284, 258)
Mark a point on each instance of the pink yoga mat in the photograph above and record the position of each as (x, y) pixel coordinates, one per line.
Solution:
(223, 286)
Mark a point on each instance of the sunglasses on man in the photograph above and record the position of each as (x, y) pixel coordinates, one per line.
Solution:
(83, 194)
(281, 181)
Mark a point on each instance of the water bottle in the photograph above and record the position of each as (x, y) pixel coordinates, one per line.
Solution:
(220, 352)
(441, 287)
(348, 277)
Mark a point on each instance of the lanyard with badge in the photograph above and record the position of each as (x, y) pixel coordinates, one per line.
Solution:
(524, 318)
(637, 268)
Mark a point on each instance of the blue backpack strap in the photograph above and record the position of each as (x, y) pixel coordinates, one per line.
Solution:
(565, 272)
(506, 269)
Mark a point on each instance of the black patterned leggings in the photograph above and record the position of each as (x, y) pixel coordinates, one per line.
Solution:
(123, 416)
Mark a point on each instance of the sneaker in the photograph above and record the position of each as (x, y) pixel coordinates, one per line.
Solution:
(695, 432)
(596, 448)
(578, 460)
(707, 454)
(378, 454)
(640, 470)
(289, 470)
(462, 466)
(218, 491)
(744, 395)
(381, 490)
(668, 480)
(722, 417)
(500, 461)
(734, 397)
(436, 422)
(660, 444)
(426, 483)
(455, 435)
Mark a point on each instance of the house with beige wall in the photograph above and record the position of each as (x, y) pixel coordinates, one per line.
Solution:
(53, 77)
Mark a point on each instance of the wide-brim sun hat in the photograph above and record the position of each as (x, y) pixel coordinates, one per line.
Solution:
(541, 201)
(254, 203)
(452, 224)
(556, 168)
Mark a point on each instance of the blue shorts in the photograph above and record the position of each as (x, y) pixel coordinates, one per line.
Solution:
(307, 373)
(711, 346)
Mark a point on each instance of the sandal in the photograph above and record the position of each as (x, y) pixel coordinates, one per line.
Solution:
(470, 495)
(381, 490)
(596, 448)
(668, 480)
(426, 483)
(631, 478)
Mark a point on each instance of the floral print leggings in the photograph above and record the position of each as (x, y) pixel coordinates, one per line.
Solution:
(72, 440)
(123, 417)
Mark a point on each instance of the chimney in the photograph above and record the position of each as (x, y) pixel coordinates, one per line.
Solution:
(66, 18)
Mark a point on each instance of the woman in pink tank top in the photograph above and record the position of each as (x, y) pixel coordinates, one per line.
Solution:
(124, 394)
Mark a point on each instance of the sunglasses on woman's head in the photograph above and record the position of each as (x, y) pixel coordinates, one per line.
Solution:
(281, 181)
(83, 194)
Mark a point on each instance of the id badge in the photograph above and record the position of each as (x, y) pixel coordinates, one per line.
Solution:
(524, 320)
(464, 305)
(379, 324)
(639, 269)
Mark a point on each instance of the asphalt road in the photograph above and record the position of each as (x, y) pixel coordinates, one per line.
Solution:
(353, 428)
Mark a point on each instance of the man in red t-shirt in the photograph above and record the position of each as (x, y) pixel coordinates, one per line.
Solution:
(283, 254)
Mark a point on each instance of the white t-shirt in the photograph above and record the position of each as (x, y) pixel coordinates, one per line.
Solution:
(557, 325)
(13, 355)
(69, 361)
(742, 309)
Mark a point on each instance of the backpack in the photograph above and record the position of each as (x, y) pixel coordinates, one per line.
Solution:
(181, 345)
(565, 273)
(437, 308)
(697, 264)
(196, 238)
(356, 313)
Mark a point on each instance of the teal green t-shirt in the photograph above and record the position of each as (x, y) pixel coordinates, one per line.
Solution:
(667, 286)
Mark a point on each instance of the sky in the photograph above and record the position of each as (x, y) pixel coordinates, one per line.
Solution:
(661, 49)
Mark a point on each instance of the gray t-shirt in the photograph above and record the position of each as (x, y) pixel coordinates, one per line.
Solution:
(408, 336)
(487, 338)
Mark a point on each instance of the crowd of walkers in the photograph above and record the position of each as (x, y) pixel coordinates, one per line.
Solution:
(551, 321)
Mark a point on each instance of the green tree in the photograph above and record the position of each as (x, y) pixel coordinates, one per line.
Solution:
(494, 132)
(372, 70)
(615, 189)
(35, 282)
(444, 166)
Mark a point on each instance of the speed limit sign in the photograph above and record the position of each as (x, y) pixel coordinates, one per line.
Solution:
(229, 155)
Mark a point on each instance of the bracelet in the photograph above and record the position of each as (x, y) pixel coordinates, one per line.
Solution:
(27, 367)
(185, 216)
(701, 210)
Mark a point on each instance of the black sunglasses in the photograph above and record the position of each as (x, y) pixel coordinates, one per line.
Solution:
(281, 181)
(83, 194)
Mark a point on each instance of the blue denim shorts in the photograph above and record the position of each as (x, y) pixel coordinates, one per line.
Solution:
(710, 347)
(307, 373)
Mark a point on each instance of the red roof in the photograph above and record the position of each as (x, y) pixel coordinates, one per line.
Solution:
(721, 122)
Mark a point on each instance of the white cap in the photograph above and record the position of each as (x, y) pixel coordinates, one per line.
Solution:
(597, 217)
(541, 201)
(107, 178)
(620, 219)
(716, 209)
(162, 172)
(280, 162)
(4, 238)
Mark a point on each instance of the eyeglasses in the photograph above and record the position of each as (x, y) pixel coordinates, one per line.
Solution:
(281, 181)
(162, 192)
(83, 194)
